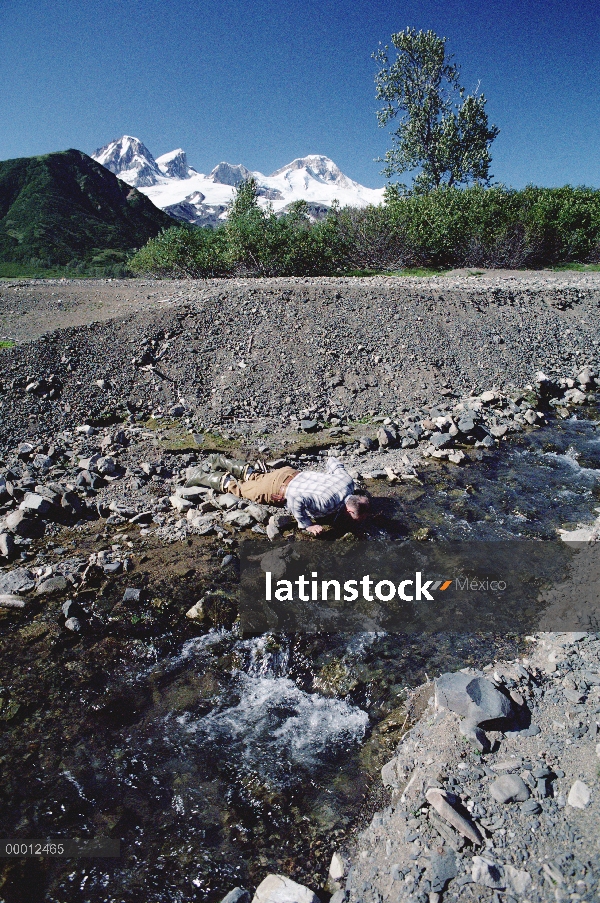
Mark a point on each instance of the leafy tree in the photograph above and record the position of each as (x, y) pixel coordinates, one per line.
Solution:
(443, 132)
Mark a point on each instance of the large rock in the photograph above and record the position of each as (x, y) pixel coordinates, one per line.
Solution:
(35, 504)
(52, 586)
(21, 524)
(21, 580)
(473, 697)
(8, 548)
(278, 889)
(486, 872)
(239, 519)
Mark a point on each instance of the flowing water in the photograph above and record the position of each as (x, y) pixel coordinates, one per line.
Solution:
(226, 758)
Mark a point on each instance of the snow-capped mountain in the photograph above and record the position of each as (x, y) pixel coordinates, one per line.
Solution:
(177, 188)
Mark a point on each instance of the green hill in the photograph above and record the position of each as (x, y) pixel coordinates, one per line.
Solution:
(65, 209)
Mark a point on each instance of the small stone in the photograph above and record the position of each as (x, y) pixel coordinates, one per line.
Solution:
(73, 624)
(106, 466)
(509, 788)
(7, 545)
(112, 568)
(337, 868)
(531, 807)
(466, 424)
(260, 513)
(192, 494)
(440, 440)
(457, 457)
(309, 426)
(281, 521)
(579, 795)
(239, 519)
(273, 531)
(278, 889)
(196, 612)
(132, 594)
(227, 501)
(181, 505)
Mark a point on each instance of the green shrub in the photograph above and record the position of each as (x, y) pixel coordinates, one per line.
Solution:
(183, 252)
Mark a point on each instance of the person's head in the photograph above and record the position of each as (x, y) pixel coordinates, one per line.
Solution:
(357, 506)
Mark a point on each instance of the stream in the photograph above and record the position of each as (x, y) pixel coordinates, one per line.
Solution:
(226, 758)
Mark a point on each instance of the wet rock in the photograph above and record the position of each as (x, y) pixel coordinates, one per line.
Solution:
(278, 889)
(579, 795)
(509, 788)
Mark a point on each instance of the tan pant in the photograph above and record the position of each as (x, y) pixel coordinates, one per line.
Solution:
(261, 487)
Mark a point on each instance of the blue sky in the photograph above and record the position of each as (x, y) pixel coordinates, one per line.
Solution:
(266, 81)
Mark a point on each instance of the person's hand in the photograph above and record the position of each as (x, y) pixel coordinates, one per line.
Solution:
(315, 529)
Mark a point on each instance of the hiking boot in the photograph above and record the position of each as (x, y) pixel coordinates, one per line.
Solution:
(199, 477)
(239, 469)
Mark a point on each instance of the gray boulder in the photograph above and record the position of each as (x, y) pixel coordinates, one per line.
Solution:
(21, 580)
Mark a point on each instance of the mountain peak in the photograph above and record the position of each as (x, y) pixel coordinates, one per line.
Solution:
(175, 164)
(129, 159)
(318, 166)
(229, 174)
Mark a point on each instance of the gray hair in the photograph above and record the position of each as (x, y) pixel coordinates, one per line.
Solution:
(359, 504)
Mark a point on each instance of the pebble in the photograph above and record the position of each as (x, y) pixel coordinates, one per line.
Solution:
(579, 795)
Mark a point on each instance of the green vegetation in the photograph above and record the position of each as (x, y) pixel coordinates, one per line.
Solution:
(7, 343)
(442, 133)
(63, 214)
(412, 234)
(253, 241)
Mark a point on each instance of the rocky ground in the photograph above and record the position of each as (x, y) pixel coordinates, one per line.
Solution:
(514, 813)
(114, 389)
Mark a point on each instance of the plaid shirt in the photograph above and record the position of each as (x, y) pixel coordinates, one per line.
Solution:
(312, 494)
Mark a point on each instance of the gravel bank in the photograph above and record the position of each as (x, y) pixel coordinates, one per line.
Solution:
(263, 352)
(522, 820)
